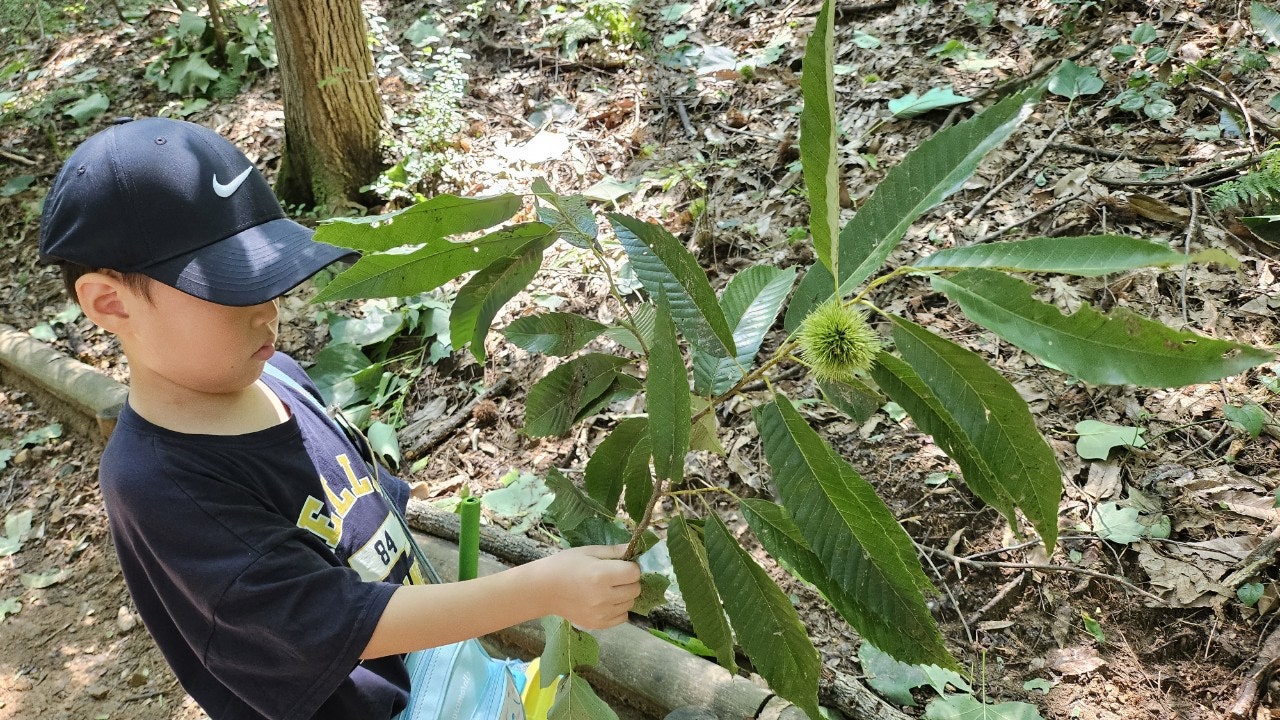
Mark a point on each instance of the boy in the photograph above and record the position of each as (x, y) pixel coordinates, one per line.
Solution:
(253, 538)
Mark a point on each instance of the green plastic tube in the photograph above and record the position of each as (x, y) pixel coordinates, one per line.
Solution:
(469, 538)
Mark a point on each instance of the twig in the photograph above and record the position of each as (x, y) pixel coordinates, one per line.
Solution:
(1259, 675)
(1143, 159)
(1030, 218)
(16, 158)
(1048, 568)
(1221, 173)
(684, 121)
(1250, 116)
(1013, 175)
(1244, 109)
(968, 632)
(427, 443)
(645, 520)
(999, 597)
(1261, 556)
(1192, 229)
(842, 10)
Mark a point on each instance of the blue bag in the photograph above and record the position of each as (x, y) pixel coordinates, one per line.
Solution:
(451, 682)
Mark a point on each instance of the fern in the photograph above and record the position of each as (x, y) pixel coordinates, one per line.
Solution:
(1260, 185)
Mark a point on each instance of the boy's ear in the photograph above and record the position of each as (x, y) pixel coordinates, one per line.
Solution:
(103, 299)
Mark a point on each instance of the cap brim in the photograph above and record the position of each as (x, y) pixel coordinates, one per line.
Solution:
(252, 266)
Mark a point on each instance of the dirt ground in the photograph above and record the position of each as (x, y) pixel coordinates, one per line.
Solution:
(1100, 630)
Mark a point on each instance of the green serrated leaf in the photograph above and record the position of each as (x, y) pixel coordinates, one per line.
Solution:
(567, 215)
(693, 573)
(344, 375)
(644, 316)
(1072, 81)
(857, 540)
(1250, 416)
(610, 468)
(818, 131)
(924, 178)
(639, 480)
(1120, 348)
(653, 592)
(751, 302)
(554, 333)
(575, 700)
(1086, 256)
(437, 262)
(783, 539)
(912, 105)
(1265, 21)
(572, 507)
(705, 434)
(895, 679)
(481, 298)
(555, 400)
(664, 266)
(967, 707)
(567, 649)
(1097, 438)
(622, 387)
(766, 624)
(852, 397)
(667, 398)
(425, 223)
(974, 412)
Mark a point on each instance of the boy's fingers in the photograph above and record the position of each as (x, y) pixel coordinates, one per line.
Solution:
(608, 552)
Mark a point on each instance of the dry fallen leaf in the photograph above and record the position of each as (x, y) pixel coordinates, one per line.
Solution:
(1076, 660)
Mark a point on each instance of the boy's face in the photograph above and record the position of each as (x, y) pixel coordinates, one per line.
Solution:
(179, 342)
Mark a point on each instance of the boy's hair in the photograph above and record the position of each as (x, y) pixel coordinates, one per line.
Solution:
(72, 271)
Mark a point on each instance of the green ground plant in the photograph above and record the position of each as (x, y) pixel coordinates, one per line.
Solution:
(190, 66)
(830, 528)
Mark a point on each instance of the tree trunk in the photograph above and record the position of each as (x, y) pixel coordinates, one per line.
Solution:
(332, 111)
(219, 32)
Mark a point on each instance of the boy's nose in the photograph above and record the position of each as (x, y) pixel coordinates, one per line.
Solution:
(267, 312)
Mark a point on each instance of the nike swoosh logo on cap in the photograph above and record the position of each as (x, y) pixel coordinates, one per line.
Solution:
(230, 188)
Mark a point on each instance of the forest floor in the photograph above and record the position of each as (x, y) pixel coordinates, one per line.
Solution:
(679, 133)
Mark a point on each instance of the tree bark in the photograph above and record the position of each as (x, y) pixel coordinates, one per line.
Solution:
(219, 31)
(332, 110)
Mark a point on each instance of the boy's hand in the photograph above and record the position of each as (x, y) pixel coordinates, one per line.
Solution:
(591, 586)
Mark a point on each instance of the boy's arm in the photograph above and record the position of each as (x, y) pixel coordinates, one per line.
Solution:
(589, 586)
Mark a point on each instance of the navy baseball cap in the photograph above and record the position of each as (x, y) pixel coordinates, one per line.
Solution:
(178, 203)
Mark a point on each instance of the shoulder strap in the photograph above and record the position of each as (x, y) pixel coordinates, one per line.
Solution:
(347, 429)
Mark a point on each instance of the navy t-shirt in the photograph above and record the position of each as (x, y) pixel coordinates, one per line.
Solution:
(261, 563)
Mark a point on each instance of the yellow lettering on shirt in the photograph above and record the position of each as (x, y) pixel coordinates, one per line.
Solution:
(360, 486)
(340, 503)
(314, 519)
